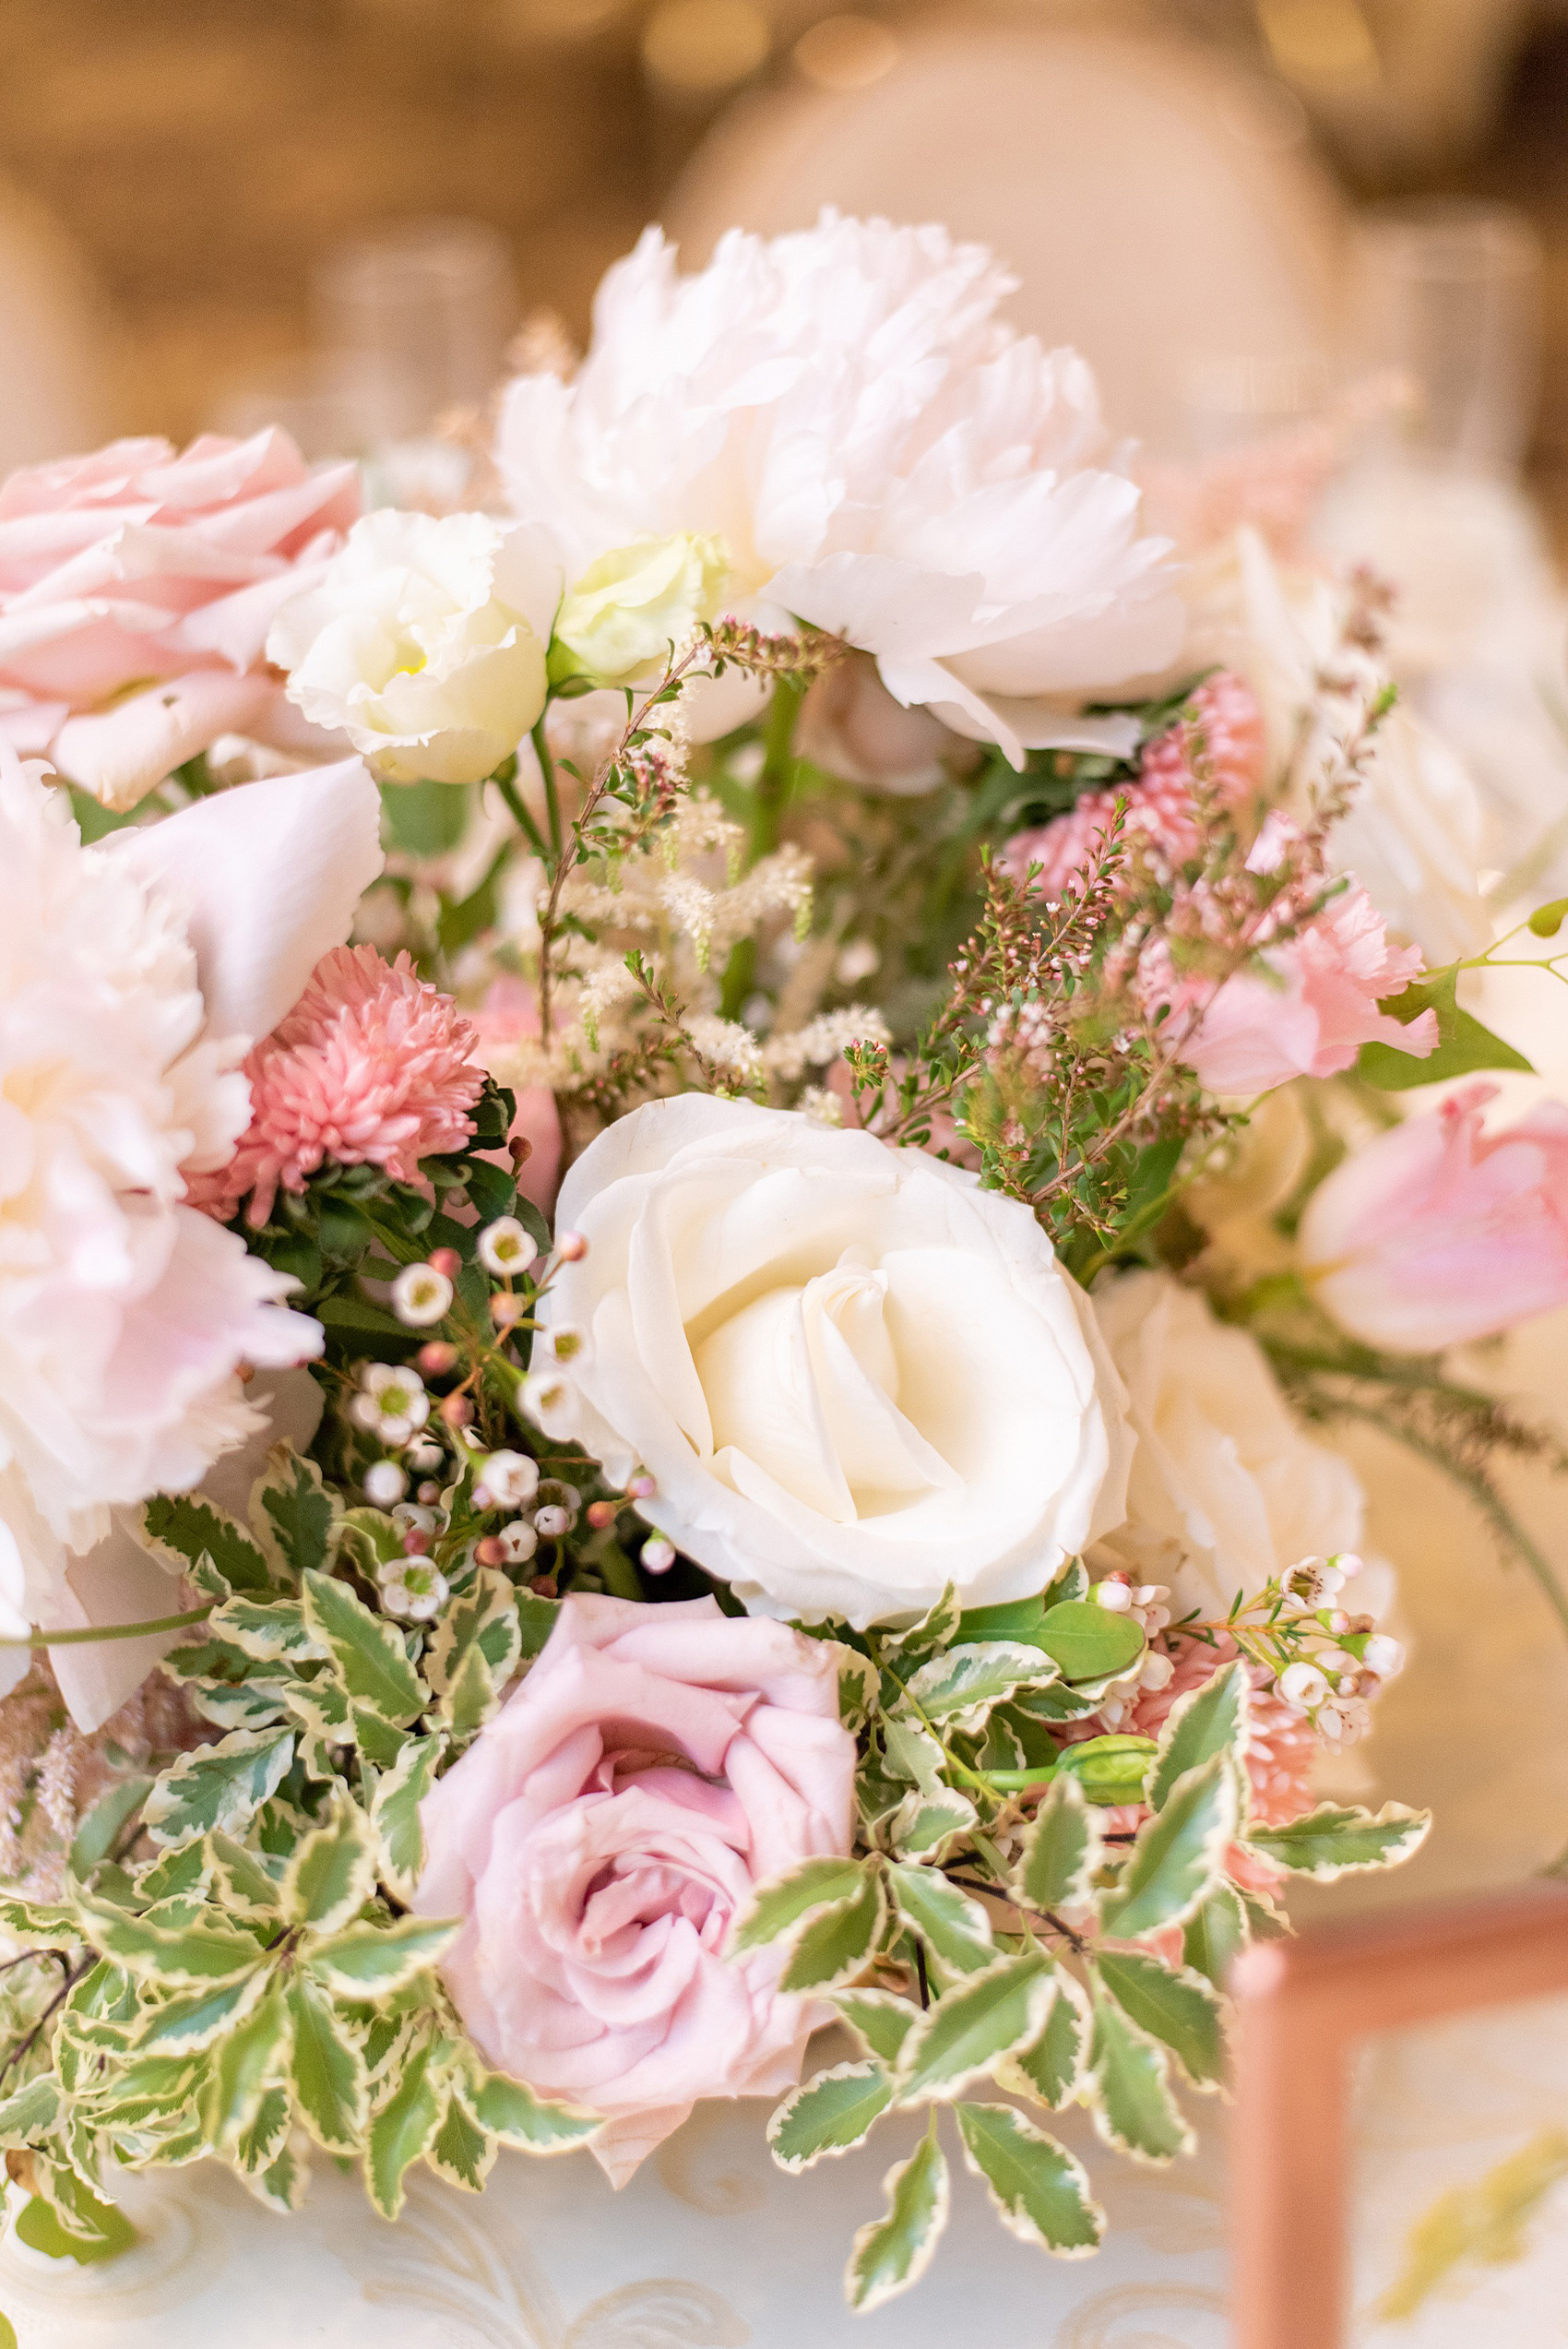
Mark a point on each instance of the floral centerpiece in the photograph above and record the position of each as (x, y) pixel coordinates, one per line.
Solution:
(682, 1160)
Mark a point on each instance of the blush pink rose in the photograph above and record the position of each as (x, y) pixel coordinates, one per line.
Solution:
(1439, 1232)
(137, 588)
(1309, 1008)
(601, 1835)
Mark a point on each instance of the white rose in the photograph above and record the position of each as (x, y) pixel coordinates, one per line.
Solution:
(853, 1376)
(1222, 1476)
(425, 642)
(631, 607)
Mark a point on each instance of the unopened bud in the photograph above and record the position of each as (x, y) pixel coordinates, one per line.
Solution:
(658, 1556)
(571, 1246)
(489, 1552)
(1112, 1594)
(641, 1488)
(600, 1514)
(521, 1150)
(436, 1358)
(446, 1262)
(456, 1410)
(505, 1308)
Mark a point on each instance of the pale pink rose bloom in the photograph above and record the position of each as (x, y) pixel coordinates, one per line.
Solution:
(372, 1066)
(600, 1839)
(1439, 1232)
(509, 1015)
(137, 588)
(1311, 1010)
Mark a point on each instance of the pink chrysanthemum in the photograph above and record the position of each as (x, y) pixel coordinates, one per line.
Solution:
(372, 1067)
(1225, 729)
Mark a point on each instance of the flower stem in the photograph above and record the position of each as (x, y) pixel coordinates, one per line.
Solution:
(551, 798)
(507, 787)
(769, 793)
(110, 1631)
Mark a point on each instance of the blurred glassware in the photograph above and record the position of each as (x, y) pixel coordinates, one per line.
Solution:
(1235, 397)
(846, 53)
(695, 52)
(414, 322)
(1448, 293)
(61, 387)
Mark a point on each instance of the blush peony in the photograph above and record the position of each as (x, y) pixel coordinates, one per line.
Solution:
(854, 1376)
(1439, 1232)
(137, 588)
(875, 452)
(124, 1313)
(599, 1841)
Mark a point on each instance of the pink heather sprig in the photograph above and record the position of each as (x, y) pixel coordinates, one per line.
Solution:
(372, 1067)
(1216, 753)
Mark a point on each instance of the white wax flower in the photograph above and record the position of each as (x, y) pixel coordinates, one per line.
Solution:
(853, 1376)
(424, 642)
(878, 453)
(125, 1314)
(633, 606)
(1222, 1476)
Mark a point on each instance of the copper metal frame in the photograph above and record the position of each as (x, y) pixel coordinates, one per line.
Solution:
(1302, 2007)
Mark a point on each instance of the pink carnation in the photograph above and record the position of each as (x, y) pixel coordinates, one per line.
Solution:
(1307, 1011)
(1226, 731)
(372, 1067)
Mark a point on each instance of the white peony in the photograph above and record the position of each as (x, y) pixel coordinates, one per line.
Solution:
(1225, 1491)
(853, 1376)
(877, 453)
(125, 1314)
(424, 642)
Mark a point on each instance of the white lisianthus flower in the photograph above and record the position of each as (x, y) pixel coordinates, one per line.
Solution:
(635, 605)
(852, 1375)
(125, 1314)
(1226, 1492)
(878, 453)
(424, 642)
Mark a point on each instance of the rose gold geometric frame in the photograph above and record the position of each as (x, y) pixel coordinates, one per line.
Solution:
(1302, 2007)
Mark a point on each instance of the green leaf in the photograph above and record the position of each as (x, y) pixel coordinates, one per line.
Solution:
(427, 819)
(7, 2333)
(859, 1684)
(1037, 2190)
(394, 1814)
(1131, 2105)
(482, 1618)
(927, 1825)
(1177, 2007)
(1210, 1719)
(239, 1884)
(274, 1632)
(244, 2074)
(1051, 2067)
(218, 1785)
(883, 2021)
(509, 2110)
(326, 2069)
(181, 2025)
(294, 1514)
(99, 2232)
(959, 1687)
(332, 1872)
(1089, 1642)
(829, 2113)
(370, 1656)
(282, 2184)
(1546, 920)
(193, 1955)
(460, 2150)
(40, 1925)
(1332, 1842)
(775, 1907)
(372, 1960)
(1462, 1043)
(956, 1931)
(261, 2139)
(183, 1528)
(536, 1621)
(186, 1869)
(1062, 1846)
(1017, 1619)
(895, 2251)
(105, 1824)
(972, 2027)
(1215, 1932)
(938, 1627)
(31, 2112)
(836, 1943)
(400, 2132)
(1178, 1853)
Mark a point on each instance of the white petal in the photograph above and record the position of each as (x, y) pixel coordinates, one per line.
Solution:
(271, 873)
